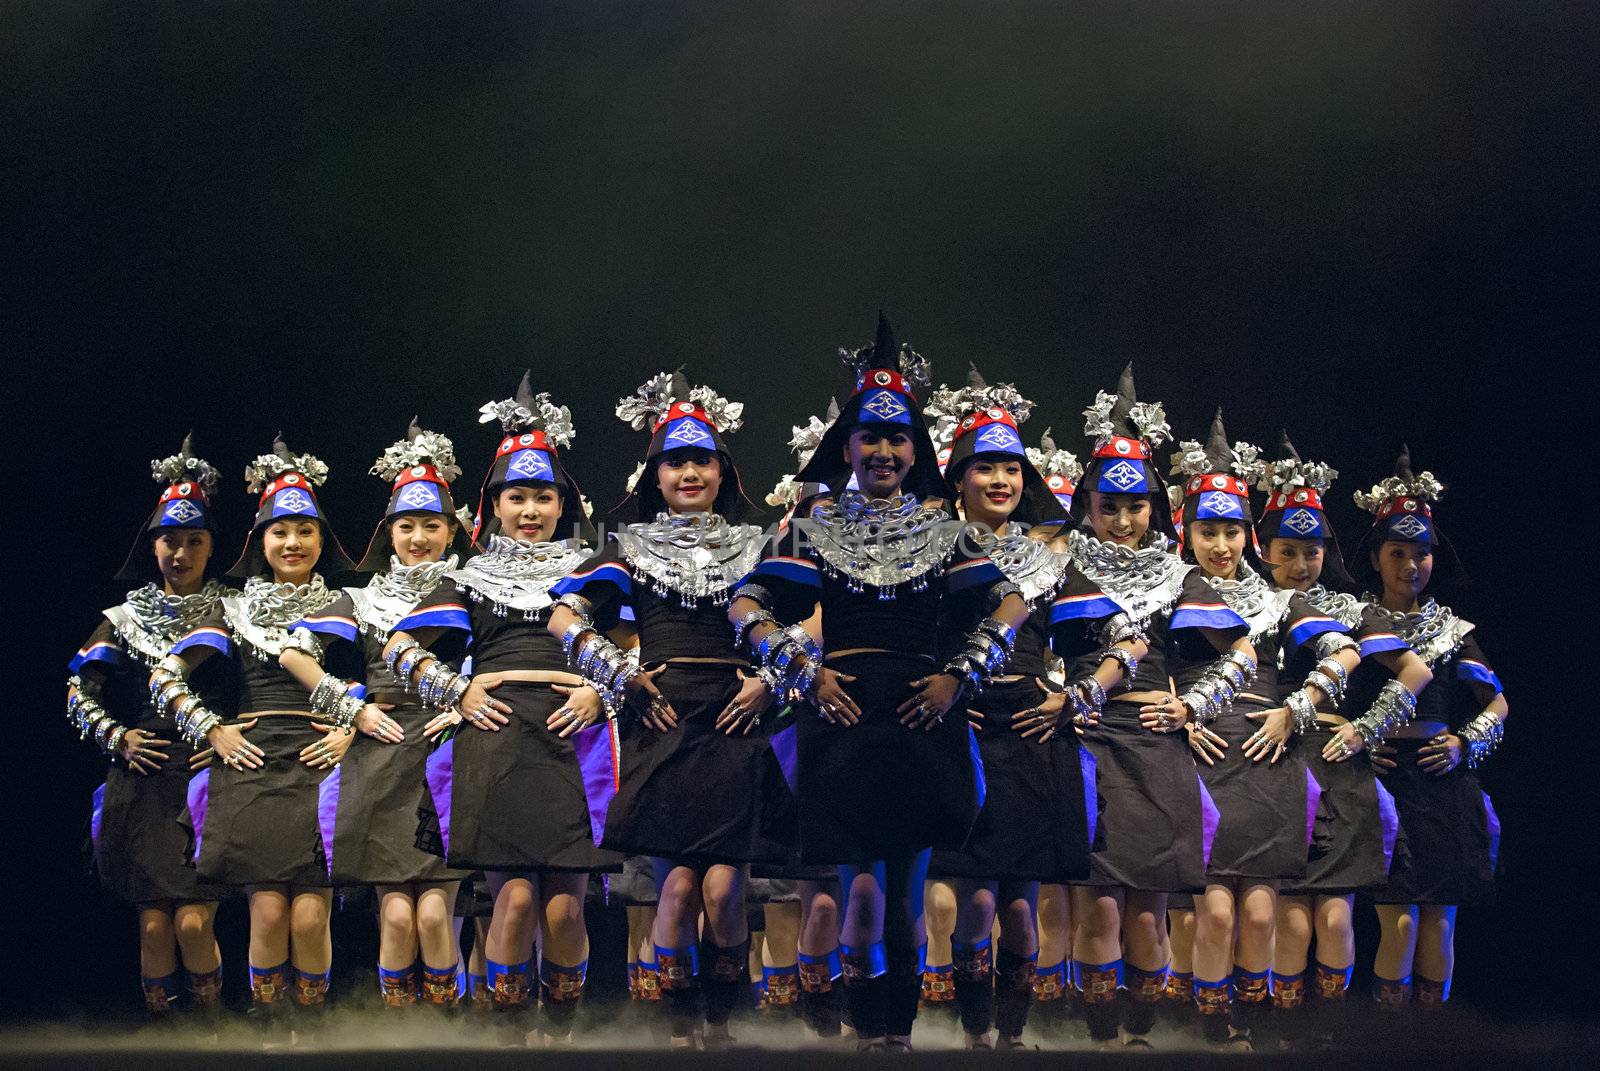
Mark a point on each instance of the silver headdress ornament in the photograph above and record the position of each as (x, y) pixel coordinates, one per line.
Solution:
(916, 369)
(946, 406)
(633, 480)
(727, 416)
(531, 412)
(1403, 483)
(1050, 460)
(268, 467)
(645, 407)
(185, 467)
(1147, 420)
(804, 442)
(1291, 472)
(418, 448)
(1216, 456)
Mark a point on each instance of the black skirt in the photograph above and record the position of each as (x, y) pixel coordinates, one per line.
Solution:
(263, 826)
(696, 794)
(1452, 836)
(141, 850)
(1354, 834)
(876, 789)
(510, 800)
(375, 798)
(1263, 817)
(1033, 825)
(636, 885)
(1152, 816)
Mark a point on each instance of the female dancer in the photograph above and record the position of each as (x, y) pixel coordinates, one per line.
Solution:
(1148, 838)
(1256, 782)
(876, 564)
(1441, 737)
(374, 791)
(694, 704)
(139, 846)
(254, 812)
(1355, 825)
(1033, 823)
(506, 797)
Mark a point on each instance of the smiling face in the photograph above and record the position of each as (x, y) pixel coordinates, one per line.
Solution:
(1405, 569)
(689, 480)
(1218, 547)
(181, 556)
(880, 456)
(1119, 518)
(1296, 563)
(291, 549)
(529, 511)
(991, 490)
(420, 537)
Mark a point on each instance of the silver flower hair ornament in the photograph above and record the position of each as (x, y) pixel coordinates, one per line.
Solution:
(1097, 422)
(527, 411)
(268, 467)
(1050, 460)
(418, 448)
(184, 466)
(648, 404)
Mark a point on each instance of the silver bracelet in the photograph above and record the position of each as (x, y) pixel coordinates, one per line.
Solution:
(1130, 664)
(1119, 627)
(395, 652)
(305, 641)
(755, 593)
(1329, 644)
(742, 627)
(1304, 711)
(1392, 709)
(1482, 736)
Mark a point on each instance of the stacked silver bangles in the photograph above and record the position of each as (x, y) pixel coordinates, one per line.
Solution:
(1391, 710)
(987, 650)
(91, 719)
(402, 658)
(170, 693)
(1304, 710)
(1212, 695)
(440, 687)
(790, 658)
(599, 661)
(1088, 699)
(1130, 664)
(1119, 627)
(333, 698)
(1482, 735)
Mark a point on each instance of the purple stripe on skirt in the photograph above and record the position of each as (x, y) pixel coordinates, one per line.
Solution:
(1494, 829)
(199, 795)
(436, 772)
(97, 813)
(328, 814)
(980, 783)
(1389, 817)
(1313, 800)
(1210, 818)
(786, 747)
(1091, 790)
(599, 751)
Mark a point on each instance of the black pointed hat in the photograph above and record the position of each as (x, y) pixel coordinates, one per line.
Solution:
(533, 428)
(187, 482)
(1217, 476)
(419, 467)
(981, 421)
(287, 484)
(682, 417)
(1125, 434)
(887, 375)
(1060, 468)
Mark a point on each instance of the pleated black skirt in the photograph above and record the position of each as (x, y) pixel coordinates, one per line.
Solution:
(1354, 834)
(1152, 816)
(141, 850)
(1452, 835)
(876, 789)
(1263, 814)
(375, 809)
(262, 826)
(511, 800)
(696, 794)
(1033, 825)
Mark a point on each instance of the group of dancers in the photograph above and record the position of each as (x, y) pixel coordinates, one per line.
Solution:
(1140, 736)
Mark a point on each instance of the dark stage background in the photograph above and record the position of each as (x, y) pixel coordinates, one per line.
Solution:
(1370, 223)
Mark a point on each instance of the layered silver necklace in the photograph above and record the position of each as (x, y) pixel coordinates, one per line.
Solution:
(1144, 582)
(513, 574)
(881, 543)
(1433, 631)
(150, 621)
(1341, 606)
(263, 613)
(392, 594)
(696, 556)
(1249, 596)
(1028, 563)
